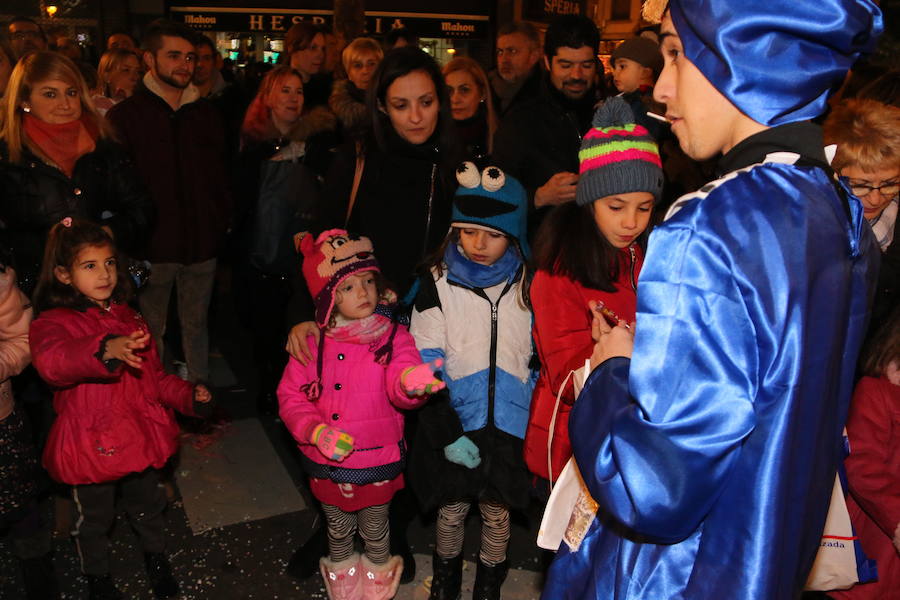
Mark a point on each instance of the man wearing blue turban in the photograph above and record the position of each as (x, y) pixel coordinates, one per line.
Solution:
(712, 450)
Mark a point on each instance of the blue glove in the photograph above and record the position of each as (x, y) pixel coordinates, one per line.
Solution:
(463, 452)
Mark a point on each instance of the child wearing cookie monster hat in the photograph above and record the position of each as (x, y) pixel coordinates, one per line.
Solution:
(472, 312)
(344, 409)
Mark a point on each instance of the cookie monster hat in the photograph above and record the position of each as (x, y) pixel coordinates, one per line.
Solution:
(491, 200)
(777, 60)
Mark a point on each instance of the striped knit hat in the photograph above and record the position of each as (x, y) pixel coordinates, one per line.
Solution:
(617, 156)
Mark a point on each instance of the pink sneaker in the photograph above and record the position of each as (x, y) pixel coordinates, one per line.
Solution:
(380, 582)
(342, 579)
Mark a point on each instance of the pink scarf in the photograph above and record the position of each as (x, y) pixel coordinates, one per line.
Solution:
(359, 331)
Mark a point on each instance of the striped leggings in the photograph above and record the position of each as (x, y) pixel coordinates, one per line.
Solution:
(372, 523)
(451, 527)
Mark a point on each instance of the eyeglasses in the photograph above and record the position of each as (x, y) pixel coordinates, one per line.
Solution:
(887, 189)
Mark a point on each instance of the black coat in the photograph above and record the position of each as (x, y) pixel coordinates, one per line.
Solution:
(403, 203)
(104, 187)
(540, 137)
(182, 158)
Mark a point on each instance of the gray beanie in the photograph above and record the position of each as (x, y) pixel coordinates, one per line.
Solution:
(617, 156)
(641, 50)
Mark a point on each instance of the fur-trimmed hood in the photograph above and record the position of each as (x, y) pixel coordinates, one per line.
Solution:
(349, 104)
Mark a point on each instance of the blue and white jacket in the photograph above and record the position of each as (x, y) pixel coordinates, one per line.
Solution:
(484, 337)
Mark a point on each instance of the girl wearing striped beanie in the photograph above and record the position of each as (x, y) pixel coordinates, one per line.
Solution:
(587, 252)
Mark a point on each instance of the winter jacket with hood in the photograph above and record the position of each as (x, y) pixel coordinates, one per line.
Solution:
(112, 419)
(358, 396)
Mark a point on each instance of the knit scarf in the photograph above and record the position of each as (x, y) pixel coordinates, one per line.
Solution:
(462, 270)
(63, 144)
(358, 331)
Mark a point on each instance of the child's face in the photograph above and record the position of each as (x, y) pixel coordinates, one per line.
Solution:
(623, 217)
(629, 75)
(357, 296)
(893, 372)
(93, 273)
(481, 246)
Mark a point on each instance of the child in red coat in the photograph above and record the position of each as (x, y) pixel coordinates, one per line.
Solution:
(588, 251)
(115, 426)
(344, 410)
(873, 465)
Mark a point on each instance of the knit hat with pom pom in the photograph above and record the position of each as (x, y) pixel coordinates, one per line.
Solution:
(617, 156)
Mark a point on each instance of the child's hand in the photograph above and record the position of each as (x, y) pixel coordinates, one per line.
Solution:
(202, 394)
(610, 341)
(420, 380)
(463, 452)
(334, 444)
(126, 347)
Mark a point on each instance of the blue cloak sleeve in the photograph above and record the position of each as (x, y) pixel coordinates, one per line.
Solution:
(657, 461)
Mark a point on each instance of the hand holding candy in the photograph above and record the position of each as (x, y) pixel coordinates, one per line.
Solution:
(463, 452)
(333, 443)
(420, 380)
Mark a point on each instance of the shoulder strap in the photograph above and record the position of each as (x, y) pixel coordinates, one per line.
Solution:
(357, 177)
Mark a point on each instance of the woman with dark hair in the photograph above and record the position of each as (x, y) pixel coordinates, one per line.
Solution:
(396, 188)
(58, 159)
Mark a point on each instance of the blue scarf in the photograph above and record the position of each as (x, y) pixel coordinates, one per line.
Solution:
(462, 270)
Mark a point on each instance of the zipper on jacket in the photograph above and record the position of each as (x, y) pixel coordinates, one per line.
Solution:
(633, 260)
(428, 214)
(492, 368)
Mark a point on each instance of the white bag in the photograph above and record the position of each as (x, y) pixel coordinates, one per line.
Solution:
(570, 509)
(835, 567)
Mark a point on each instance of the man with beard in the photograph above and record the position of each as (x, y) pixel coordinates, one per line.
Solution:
(178, 143)
(709, 432)
(539, 139)
(518, 73)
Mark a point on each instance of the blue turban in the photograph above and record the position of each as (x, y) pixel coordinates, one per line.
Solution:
(776, 60)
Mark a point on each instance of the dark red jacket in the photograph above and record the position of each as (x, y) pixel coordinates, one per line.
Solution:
(562, 334)
(111, 420)
(873, 472)
(181, 157)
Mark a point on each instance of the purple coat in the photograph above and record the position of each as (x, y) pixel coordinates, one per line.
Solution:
(359, 396)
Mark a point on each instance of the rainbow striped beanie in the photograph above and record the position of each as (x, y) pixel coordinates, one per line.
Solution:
(617, 156)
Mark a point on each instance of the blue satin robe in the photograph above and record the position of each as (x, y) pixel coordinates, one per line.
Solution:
(712, 452)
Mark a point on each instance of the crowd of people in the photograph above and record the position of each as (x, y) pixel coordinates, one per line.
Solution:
(460, 282)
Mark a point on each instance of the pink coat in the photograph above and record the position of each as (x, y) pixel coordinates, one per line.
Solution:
(109, 422)
(358, 396)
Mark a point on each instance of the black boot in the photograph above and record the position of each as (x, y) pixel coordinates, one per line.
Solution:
(160, 574)
(446, 577)
(40, 578)
(305, 561)
(101, 587)
(488, 580)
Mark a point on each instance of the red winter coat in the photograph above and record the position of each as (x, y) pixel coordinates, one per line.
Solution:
(873, 472)
(110, 421)
(562, 334)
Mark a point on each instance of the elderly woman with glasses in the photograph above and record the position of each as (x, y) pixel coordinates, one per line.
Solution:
(867, 134)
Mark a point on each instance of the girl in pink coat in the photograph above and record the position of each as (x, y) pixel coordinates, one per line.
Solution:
(344, 410)
(114, 403)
